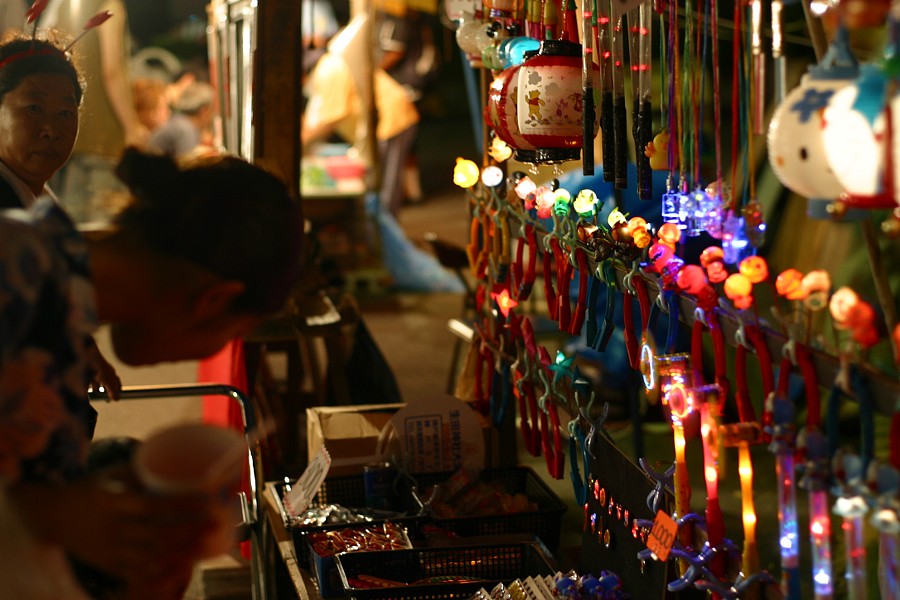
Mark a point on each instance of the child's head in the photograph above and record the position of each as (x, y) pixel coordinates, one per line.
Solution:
(228, 237)
(150, 101)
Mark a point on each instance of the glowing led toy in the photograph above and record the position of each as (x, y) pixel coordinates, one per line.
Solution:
(544, 200)
(707, 399)
(525, 187)
(816, 284)
(616, 219)
(669, 234)
(585, 204)
(637, 228)
(674, 373)
(735, 245)
(754, 268)
(885, 520)
(739, 290)
(783, 431)
(851, 506)
(504, 302)
(499, 150)
(492, 176)
(692, 279)
(789, 284)
(562, 201)
(711, 254)
(842, 302)
(819, 515)
(465, 174)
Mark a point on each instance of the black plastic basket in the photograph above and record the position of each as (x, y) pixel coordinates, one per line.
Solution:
(484, 566)
(348, 491)
(546, 521)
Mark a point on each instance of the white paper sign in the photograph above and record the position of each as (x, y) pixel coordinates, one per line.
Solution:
(297, 500)
(439, 434)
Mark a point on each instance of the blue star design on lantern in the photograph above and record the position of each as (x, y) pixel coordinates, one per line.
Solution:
(813, 101)
(562, 366)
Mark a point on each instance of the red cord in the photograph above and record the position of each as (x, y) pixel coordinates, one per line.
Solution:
(580, 308)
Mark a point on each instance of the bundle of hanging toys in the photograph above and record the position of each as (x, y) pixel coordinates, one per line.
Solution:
(556, 75)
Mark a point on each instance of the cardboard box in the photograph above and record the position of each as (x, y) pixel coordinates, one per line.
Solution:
(349, 433)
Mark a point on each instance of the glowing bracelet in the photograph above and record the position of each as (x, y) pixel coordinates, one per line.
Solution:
(783, 433)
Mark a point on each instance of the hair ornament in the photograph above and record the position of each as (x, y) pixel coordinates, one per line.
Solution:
(34, 13)
(97, 20)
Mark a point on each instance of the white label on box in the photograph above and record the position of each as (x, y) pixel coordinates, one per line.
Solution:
(297, 500)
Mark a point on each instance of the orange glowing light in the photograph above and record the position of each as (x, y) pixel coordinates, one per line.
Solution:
(789, 284)
(669, 234)
(738, 285)
(504, 302)
(755, 269)
(692, 279)
(841, 305)
(712, 254)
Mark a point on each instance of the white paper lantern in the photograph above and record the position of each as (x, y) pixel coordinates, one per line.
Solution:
(796, 149)
(854, 138)
(796, 144)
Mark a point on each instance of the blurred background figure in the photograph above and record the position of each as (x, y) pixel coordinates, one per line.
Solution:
(12, 15)
(407, 52)
(151, 101)
(188, 129)
(318, 24)
(88, 187)
(334, 107)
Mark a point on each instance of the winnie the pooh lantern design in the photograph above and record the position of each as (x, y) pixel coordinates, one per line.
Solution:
(550, 103)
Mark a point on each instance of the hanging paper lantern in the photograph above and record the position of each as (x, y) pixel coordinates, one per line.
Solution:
(465, 174)
(549, 107)
(795, 140)
(500, 114)
(856, 140)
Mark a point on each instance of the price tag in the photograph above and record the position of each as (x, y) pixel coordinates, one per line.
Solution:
(662, 536)
(297, 500)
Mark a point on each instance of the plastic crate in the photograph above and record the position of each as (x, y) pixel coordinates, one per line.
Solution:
(486, 565)
(545, 522)
(348, 492)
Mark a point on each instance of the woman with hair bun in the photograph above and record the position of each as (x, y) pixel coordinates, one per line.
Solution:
(202, 254)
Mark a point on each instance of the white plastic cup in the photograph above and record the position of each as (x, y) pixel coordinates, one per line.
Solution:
(194, 458)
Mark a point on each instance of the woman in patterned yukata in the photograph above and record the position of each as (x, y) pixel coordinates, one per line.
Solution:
(202, 254)
(40, 91)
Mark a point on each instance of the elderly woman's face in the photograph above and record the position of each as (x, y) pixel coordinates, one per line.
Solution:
(38, 126)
